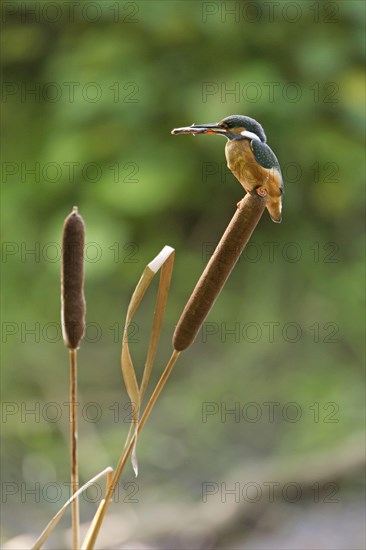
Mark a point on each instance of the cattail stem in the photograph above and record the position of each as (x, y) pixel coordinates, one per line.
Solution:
(74, 448)
(127, 450)
(218, 269)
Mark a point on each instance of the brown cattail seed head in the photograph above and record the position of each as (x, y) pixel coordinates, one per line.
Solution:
(72, 280)
(218, 269)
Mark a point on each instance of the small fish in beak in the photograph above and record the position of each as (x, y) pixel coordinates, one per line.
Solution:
(200, 129)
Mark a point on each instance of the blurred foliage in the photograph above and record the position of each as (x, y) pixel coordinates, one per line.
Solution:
(96, 130)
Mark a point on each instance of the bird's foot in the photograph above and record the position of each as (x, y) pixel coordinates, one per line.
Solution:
(261, 191)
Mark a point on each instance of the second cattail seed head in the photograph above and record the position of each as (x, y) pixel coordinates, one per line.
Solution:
(72, 280)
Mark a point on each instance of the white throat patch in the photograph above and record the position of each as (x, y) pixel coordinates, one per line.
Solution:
(249, 135)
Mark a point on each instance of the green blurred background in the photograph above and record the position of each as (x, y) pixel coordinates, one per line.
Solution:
(90, 93)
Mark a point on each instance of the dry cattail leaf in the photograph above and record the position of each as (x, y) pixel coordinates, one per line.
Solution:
(72, 280)
(56, 518)
(164, 261)
(218, 269)
(164, 285)
(164, 258)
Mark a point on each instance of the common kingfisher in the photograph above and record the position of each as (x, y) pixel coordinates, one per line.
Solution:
(248, 156)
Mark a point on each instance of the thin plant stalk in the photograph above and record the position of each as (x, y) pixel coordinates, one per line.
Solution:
(74, 449)
(127, 451)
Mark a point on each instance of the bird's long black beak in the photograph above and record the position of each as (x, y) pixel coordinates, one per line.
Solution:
(212, 128)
